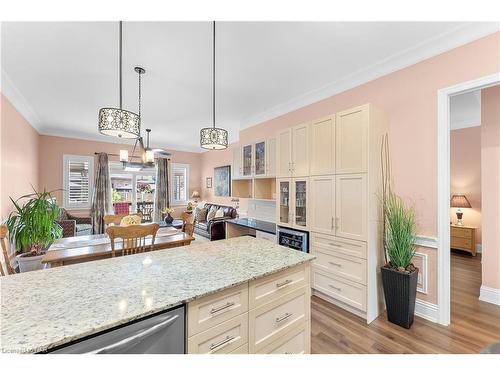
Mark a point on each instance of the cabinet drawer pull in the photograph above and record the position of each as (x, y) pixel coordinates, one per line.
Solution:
(335, 244)
(221, 342)
(288, 353)
(334, 287)
(335, 264)
(284, 317)
(221, 308)
(286, 282)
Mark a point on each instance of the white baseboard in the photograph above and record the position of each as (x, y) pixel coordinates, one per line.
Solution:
(490, 295)
(426, 310)
(479, 248)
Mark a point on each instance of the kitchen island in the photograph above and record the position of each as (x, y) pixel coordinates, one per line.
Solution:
(261, 286)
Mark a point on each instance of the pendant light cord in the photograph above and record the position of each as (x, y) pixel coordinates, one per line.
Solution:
(213, 77)
(120, 49)
(140, 97)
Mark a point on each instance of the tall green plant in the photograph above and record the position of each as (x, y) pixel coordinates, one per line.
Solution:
(400, 232)
(32, 226)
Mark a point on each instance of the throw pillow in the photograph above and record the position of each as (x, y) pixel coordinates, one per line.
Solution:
(219, 213)
(211, 214)
(200, 214)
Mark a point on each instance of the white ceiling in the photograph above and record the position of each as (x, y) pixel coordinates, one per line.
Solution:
(58, 74)
(465, 110)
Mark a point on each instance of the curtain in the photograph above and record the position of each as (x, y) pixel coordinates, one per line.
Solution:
(162, 199)
(101, 196)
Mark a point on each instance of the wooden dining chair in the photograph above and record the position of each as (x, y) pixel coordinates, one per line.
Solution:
(133, 238)
(5, 254)
(187, 223)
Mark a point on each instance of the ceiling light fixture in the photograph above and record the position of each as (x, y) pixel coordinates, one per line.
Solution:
(119, 122)
(213, 138)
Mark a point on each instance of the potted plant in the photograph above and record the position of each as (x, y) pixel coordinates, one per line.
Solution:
(399, 275)
(189, 207)
(168, 212)
(33, 228)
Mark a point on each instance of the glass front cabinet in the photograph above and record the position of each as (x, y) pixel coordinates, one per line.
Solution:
(260, 159)
(293, 199)
(247, 160)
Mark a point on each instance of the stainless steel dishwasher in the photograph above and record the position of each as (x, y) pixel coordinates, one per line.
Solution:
(162, 333)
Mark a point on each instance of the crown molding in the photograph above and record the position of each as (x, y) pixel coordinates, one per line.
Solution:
(19, 102)
(441, 43)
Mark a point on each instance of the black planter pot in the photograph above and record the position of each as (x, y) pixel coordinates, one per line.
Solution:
(169, 219)
(400, 290)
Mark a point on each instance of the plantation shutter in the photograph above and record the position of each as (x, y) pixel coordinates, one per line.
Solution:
(79, 183)
(179, 183)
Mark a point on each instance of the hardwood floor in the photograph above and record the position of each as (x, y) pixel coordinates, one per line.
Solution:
(474, 324)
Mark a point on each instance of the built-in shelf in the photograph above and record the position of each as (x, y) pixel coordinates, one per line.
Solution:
(257, 188)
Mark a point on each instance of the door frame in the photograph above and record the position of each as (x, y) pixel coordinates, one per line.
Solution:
(443, 186)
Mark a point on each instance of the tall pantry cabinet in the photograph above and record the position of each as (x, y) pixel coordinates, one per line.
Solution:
(343, 207)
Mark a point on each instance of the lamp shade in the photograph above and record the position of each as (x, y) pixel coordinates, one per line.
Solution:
(119, 123)
(195, 195)
(213, 138)
(460, 201)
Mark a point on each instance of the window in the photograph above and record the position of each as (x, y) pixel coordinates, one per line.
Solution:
(78, 174)
(179, 183)
(133, 191)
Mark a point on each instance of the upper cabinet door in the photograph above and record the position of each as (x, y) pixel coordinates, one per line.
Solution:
(236, 170)
(247, 161)
(260, 159)
(323, 146)
(300, 150)
(322, 203)
(351, 206)
(284, 153)
(351, 140)
(271, 157)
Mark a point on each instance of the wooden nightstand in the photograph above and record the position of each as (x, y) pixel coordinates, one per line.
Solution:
(463, 238)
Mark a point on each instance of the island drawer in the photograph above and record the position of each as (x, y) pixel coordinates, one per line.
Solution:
(337, 245)
(353, 294)
(212, 310)
(350, 268)
(221, 339)
(297, 341)
(273, 320)
(262, 291)
(243, 349)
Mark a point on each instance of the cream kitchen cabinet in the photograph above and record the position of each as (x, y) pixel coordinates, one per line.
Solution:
(247, 153)
(322, 204)
(351, 140)
(255, 160)
(351, 206)
(236, 169)
(292, 209)
(271, 157)
(292, 154)
(322, 145)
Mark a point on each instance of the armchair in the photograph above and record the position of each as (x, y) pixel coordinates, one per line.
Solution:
(74, 225)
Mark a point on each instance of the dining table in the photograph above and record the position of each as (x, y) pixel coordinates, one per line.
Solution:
(79, 249)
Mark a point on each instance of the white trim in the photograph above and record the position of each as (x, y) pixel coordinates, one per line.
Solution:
(456, 37)
(66, 159)
(443, 186)
(19, 102)
(426, 241)
(423, 272)
(490, 295)
(172, 200)
(427, 310)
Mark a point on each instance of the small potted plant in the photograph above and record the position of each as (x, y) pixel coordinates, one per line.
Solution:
(399, 275)
(33, 228)
(189, 207)
(168, 212)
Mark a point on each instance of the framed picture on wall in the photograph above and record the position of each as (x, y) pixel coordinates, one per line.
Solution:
(209, 182)
(222, 181)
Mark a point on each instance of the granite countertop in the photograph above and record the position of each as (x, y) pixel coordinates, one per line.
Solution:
(47, 308)
(263, 226)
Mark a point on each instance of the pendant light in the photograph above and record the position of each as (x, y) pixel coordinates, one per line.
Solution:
(213, 138)
(118, 122)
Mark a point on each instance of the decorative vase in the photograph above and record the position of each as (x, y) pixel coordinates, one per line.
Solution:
(400, 291)
(27, 262)
(169, 219)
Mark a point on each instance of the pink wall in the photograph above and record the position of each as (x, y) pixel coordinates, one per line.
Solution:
(409, 97)
(52, 150)
(465, 164)
(490, 158)
(19, 156)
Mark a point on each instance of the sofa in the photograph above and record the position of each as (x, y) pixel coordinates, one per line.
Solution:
(214, 229)
(74, 225)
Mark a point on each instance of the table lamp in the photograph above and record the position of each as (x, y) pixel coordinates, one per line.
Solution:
(460, 201)
(196, 195)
